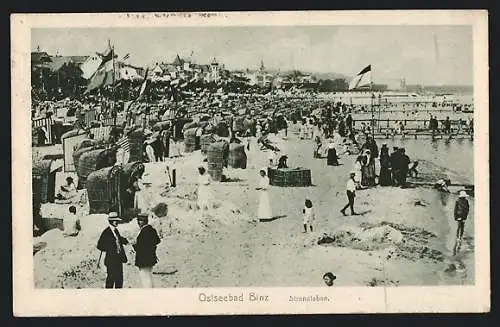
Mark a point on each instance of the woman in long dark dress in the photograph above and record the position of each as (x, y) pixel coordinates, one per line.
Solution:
(384, 178)
(332, 158)
(370, 169)
(364, 169)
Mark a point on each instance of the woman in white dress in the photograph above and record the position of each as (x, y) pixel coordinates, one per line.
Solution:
(140, 202)
(302, 130)
(357, 169)
(204, 192)
(264, 204)
(258, 133)
(150, 151)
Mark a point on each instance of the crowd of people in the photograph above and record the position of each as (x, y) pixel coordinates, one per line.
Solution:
(317, 121)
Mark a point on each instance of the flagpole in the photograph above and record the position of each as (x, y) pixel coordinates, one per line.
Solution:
(372, 96)
(113, 85)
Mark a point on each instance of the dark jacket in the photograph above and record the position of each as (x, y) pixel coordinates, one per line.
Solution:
(461, 209)
(405, 161)
(395, 160)
(332, 158)
(107, 243)
(145, 247)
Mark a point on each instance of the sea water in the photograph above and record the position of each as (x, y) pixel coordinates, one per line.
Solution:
(457, 157)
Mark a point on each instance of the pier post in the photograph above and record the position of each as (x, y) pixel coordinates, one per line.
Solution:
(174, 177)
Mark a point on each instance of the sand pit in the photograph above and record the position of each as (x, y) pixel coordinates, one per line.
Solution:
(402, 241)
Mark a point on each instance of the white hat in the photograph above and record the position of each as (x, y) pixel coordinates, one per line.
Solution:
(113, 216)
(352, 172)
(462, 194)
(264, 169)
(331, 146)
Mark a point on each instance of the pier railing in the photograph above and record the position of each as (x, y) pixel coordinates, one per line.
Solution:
(414, 127)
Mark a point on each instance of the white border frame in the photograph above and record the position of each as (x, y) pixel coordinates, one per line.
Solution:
(29, 301)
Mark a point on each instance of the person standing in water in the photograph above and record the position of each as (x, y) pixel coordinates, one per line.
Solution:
(461, 212)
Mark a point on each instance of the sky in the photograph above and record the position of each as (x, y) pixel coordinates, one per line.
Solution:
(426, 55)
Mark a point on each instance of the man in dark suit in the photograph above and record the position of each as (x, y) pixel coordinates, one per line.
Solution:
(112, 243)
(145, 250)
(395, 166)
(404, 162)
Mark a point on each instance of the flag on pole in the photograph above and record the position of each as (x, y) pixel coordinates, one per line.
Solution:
(104, 72)
(102, 77)
(107, 55)
(364, 78)
(90, 66)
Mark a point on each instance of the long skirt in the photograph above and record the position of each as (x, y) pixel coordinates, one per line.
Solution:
(151, 154)
(370, 174)
(140, 201)
(264, 206)
(204, 196)
(332, 159)
(364, 176)
(384, 178)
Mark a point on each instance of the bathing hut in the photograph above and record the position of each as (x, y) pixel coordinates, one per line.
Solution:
(190, 125)
(85, 143)
(190, 140)
(222, 129)
(93, 160)
(104, 190)
(237, 156)
(136, 140)
(178, 127)
(289, 177)
(205, 142)
(131, 171)
(69, 140)
(44, 180)
(77, 154)
(238, 126)
(217, 156)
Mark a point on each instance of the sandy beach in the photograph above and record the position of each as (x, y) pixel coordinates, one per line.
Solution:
(402, 237)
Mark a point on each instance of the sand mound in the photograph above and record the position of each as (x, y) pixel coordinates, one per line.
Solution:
(397, 239)
(430, 172)
(59, 256)
(184, 216)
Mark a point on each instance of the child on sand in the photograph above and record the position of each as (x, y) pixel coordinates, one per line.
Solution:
(309, 215)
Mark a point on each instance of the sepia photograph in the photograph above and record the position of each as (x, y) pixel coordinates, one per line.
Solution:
(238, 156)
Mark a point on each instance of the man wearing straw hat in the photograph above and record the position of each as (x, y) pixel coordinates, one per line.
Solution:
(112, 243)
(460, 213)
